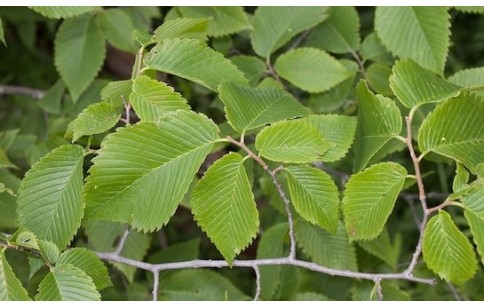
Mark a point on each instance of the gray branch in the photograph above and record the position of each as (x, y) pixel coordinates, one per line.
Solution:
(17, 90)
(108, 256)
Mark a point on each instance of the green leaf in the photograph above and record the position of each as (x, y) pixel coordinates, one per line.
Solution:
(377, 76)
(454, 129)
(198, 285)
(88, 262)
(151, 99)
(247, 108)
(193, 60)
(426, 35)
(474, 213)
(311, 69)
(415, 85)
(11, 288)
(117, 28)
(58, 12)
(461, 178)
(223, 206)
(52, 100)
(331, 250)
(294, 141)
(7, 138)
(35, 264)
(271, 245)
(79, 53)
(184, 251)
(95, 119)
(117, 92)
(148, 164)
(50, 202)
(2, 35)
(275, 26)
(66, 282)
(226, 19)
(382, 248)
(339, 130)
(469, 78)
(195, 28)
(369, 199)
(309, 296)
(314, 195)
(339, 33)
(49, 251)
(24, 238)
(447, 251)
(379, 120)
(5, 161)
(470, 9)
(372, 49)
(252, 67)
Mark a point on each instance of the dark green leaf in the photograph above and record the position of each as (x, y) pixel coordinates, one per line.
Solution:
(311, 69)
(275, 26)
(79, 53)
(11, 288)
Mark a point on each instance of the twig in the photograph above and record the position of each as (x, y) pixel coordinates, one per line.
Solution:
(156, 284)
(379, 292)
(454, 291)
(360, 62)
(273, 73)
(257, 283)
(108, 256)
(122, 241)
(17, 90)
(421, 194)
(300, 39)
(447, 202)
(282, 194)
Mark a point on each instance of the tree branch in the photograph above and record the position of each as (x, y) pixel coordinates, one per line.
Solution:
(109, 256)
(17, 90)
(282, 194)
(421, 193)
(257, 283)
(122, 241)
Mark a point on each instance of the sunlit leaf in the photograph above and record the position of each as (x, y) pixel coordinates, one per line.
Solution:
(369, 199)
(50, 202)
(149, 165)
(151, 99)
(415, 85)
(314, 195)
(193, 60)
(474, 213)
(66, 282)
(249, 108)
(294, 141)
(447, 251)
(379, 120)
(454, 129)
(58, 12)
(182, 28)
(224, 207)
